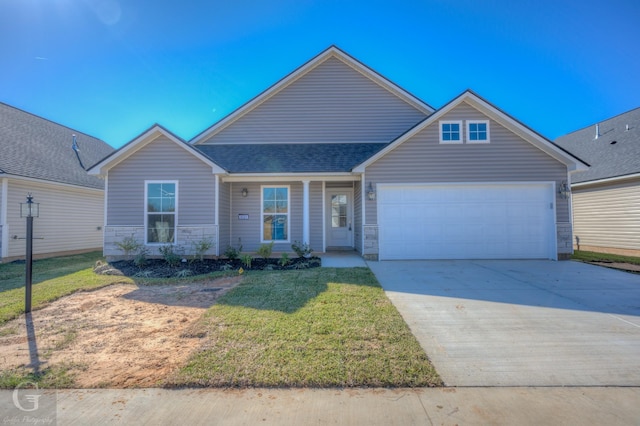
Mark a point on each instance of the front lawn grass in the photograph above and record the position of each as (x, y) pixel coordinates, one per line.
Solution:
(590, 256)
(52, 278)
(324, 327)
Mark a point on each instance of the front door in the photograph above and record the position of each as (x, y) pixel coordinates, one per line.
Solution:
(340, 218)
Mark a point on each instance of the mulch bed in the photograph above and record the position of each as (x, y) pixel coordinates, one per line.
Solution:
(158, 268)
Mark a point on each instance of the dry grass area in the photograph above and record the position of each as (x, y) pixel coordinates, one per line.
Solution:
(120, 336)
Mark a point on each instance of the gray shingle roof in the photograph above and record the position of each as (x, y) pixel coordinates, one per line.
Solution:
(607, 159)
(290, 158)
(31, 146)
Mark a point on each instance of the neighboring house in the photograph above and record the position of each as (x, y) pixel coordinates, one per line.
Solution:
(606, 198)
(40, 157)
(339, 157)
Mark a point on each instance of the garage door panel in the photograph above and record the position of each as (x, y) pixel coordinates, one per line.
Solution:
(466, 221)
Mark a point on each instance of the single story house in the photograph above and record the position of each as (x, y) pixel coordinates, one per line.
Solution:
(339, 157)
(606, 198)
(48, 161)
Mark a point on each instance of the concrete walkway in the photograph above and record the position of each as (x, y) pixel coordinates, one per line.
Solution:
(520, 323)
(445, 406)
(342, 259)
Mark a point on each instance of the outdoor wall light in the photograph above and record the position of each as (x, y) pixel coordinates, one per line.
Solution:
(29, 209)
(564, 190)
(371, 194)
(245, 192)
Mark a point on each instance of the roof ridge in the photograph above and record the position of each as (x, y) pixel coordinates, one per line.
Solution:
(599, 122)
(52, 122)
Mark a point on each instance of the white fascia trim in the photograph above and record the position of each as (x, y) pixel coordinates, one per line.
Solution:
(498, 116)
(54, 183)
(290, 177)
(142, 141)
(299, 72)
(606, 180)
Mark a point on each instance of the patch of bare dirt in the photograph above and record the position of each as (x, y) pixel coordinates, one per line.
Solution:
(119, 336)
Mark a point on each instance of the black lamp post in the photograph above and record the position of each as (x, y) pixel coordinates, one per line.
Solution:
(29, 210)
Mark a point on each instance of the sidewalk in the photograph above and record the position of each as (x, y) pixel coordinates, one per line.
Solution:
(435, 406)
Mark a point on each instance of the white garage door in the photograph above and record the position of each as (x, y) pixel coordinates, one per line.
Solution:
(455, 221)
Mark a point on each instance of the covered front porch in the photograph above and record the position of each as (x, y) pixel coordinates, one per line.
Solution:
(324, 211)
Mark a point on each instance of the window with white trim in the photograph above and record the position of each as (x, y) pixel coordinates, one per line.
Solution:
(450, 131)
(275, 213)
(161, 201)
(477, 131)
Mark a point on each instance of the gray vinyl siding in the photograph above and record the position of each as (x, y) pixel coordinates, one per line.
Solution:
(224, 217)
(161, 160)
(248, 232)
(608, 215)
(507, 158)
(332, 103)
(70, 218)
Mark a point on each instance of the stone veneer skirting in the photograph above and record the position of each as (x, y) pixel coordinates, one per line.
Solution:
(565, 239)
(370, 249)
(186, 237)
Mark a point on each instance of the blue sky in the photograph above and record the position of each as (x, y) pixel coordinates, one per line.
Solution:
(112, 68)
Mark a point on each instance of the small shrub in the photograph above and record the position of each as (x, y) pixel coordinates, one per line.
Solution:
(143, 274)
(129, 245)
(232, 253)
(169, 255)
(284, 260)
(183, 273)
(301, 265)
(226, 267)
(301, 249)
(265, 250)
(246, 260)
(201, 247)
(141, 257)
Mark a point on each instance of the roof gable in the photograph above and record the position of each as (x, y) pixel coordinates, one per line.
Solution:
(33, 147)
(313, 102)
(493, 113)
(144, 139)
(615, 153)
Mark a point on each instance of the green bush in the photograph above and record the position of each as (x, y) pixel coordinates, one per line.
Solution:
(201, 247)
(284, 260)
(265, 250)
(169, 255)
(232, 253)
(301, 249)
(246, 260)
(141, 257)
(129, 245)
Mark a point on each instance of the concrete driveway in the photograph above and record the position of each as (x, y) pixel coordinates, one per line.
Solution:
(520, 323)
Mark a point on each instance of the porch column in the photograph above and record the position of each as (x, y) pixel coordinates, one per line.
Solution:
(305, 212)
